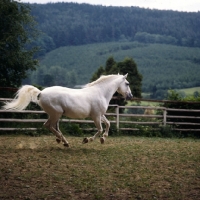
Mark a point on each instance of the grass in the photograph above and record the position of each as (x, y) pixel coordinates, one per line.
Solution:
(189, 91)
(122, 168)
(142, 103)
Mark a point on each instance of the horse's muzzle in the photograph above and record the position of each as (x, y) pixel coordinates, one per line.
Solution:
(129, 96)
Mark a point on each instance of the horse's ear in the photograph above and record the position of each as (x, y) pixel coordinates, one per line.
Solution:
(125, 76)
(118, 73)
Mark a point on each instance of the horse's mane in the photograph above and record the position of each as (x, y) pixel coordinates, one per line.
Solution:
(102, 78)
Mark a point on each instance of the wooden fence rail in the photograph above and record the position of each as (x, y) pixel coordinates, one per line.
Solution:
(158, 117)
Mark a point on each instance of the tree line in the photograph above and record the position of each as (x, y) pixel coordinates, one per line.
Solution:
(66, 24)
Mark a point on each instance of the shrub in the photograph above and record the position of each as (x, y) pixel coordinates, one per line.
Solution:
(190, 102)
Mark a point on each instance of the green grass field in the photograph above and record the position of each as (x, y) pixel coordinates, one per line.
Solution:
(190, 91)
(122, 168)
(186, 91)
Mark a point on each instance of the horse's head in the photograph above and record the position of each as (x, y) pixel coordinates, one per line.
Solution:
(124, 88)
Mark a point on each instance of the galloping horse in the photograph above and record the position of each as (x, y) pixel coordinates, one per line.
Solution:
(90, 101)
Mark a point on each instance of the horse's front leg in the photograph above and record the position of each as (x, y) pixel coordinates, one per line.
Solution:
(97, 122)
(107, 123)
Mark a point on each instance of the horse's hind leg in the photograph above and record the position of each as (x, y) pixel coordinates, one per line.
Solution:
(62, 136)
(59, 136)
(54, 127)
(107, 123)
(48, 125)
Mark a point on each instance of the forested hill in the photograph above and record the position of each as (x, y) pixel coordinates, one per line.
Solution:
(76, 24)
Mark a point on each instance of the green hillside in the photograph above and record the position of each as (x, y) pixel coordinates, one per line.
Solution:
(67, 24)
(189, 91)
(162, 66)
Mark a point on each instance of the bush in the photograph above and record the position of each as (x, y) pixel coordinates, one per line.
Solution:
(71, 129)
(190, 102)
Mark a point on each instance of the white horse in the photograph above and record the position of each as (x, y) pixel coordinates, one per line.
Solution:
(90, 101)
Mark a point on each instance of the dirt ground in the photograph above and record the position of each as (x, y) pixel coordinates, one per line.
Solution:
(122, 168)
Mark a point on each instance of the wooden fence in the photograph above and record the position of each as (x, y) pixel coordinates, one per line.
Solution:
(133, 115)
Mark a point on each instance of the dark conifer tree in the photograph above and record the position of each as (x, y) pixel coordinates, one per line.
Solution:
(17, 27)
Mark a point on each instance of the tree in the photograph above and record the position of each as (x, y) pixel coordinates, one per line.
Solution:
(109, 64)
(17, 28)
(126, 66)
(48, 80)
(98, 73)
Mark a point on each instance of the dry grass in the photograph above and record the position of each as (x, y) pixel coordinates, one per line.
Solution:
(122, 168)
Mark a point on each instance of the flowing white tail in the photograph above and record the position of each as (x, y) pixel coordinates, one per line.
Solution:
(24, 96)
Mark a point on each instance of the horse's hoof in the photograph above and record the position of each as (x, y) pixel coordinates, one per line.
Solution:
(102, 140)
(85, 140)
(66, 144)
(58, 140)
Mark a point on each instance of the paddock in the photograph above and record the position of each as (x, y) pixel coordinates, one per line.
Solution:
(122, 168)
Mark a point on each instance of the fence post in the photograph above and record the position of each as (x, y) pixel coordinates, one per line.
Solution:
(117, 117)
(164, 117)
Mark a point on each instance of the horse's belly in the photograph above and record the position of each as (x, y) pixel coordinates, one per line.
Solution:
(76, 113)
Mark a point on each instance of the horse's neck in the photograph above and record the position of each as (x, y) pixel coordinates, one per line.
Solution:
(108, 89)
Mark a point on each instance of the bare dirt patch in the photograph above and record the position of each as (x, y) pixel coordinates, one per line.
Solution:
(122, 168)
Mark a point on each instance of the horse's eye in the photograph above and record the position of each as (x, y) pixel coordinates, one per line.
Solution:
(127, 84)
